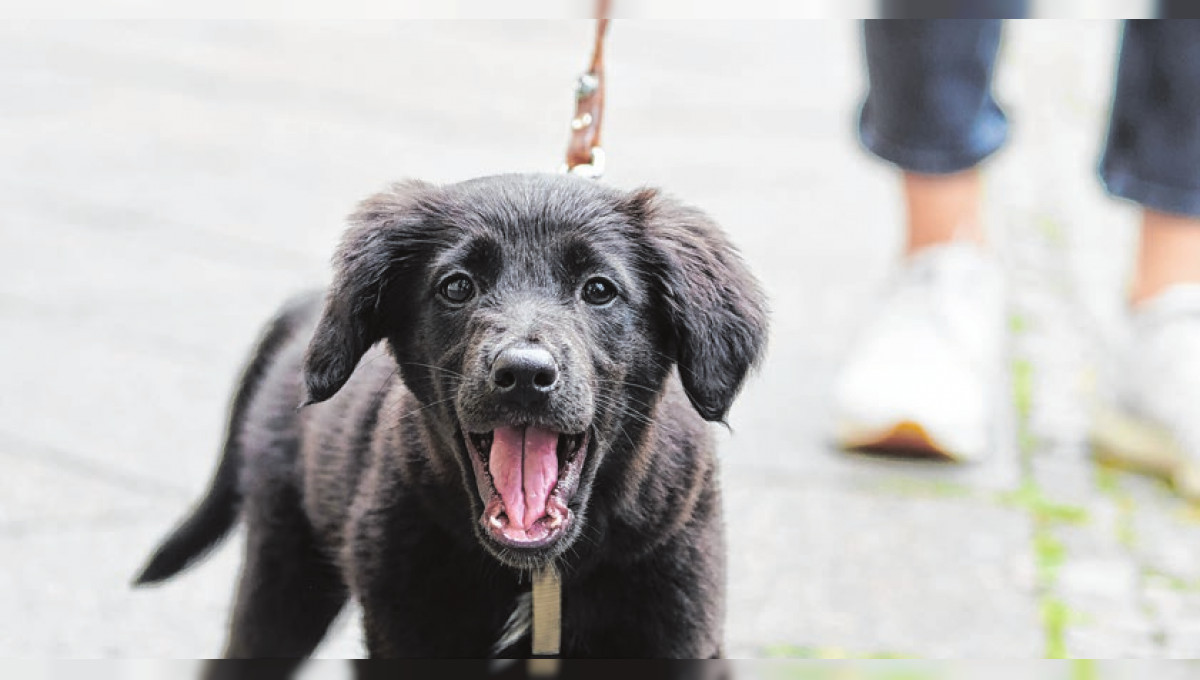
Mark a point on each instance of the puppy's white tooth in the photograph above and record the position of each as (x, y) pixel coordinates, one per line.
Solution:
(495, 521)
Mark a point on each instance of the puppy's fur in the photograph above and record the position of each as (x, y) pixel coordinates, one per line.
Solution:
(369, 491)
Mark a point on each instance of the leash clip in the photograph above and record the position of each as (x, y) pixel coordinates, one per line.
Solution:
(585, 157)
(586, 85)
(593, 169)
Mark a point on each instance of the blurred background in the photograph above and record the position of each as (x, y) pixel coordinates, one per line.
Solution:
(166, 185)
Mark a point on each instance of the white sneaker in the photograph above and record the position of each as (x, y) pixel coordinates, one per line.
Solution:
(1155, 425)
(923, 378)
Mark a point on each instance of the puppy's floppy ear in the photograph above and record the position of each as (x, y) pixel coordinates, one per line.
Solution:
(715, 308)
(388, 239)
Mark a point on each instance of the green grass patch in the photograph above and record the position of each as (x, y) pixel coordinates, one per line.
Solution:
(1107, 481)
(1126, 534)
(1055, 617)
(1084, 669)
(1049, 554)
(1051, 230)
(1018, 324)
(1030, 497)
(1026, 442)
(1169, 581)
(786, 651)
(1022, 383)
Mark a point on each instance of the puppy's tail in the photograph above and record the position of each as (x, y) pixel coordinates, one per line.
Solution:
(203, 529)
(216, 514)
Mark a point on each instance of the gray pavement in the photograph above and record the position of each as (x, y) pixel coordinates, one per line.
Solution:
(165, 186)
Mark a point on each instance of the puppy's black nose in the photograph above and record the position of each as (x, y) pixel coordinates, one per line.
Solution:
(524, 373)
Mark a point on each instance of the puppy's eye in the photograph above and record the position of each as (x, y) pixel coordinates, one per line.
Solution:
(599, 291)
(457, 288)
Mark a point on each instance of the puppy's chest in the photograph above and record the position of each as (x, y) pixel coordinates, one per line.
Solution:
(600, 622)
(537, 618)
(436, 604)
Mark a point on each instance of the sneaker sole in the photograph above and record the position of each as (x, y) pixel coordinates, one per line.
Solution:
(1130, 443)
(905, 439)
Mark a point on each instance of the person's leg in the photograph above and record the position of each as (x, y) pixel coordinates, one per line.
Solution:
(1152, 154)
(920, 378)
(954, 9)
(930, 111)
(1178, 9)
(929, 107)
(1152, 157)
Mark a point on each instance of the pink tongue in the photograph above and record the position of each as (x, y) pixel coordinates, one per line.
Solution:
(524, 466)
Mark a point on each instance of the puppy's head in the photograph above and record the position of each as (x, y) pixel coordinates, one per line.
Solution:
(536, 319)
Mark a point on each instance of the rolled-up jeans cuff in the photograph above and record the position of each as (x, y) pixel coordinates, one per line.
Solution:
(1121, 183)
(935, 161)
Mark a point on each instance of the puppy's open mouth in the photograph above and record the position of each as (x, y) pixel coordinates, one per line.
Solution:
(526, 476)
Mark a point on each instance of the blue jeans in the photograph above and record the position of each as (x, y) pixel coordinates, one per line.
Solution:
(930, 108)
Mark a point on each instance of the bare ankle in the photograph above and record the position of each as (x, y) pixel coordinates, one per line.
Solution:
(942, 209)
(1169, 254)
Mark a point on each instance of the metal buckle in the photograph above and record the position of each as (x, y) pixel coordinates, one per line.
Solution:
(592, 170)
(586, 85)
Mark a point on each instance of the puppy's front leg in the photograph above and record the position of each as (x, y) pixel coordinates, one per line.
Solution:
(288, 594)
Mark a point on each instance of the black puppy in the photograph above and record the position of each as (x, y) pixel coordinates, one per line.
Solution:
(524, 408)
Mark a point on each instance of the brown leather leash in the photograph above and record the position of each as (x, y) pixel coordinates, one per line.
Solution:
(585, 157)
